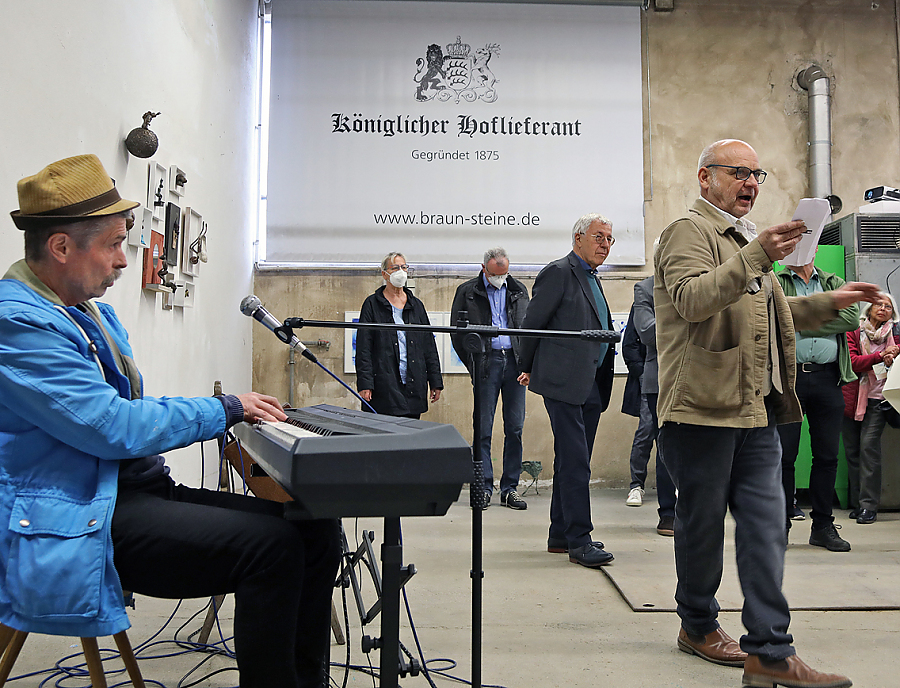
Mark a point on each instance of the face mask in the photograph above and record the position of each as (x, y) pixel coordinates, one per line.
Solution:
(496, 281)
(398, 279)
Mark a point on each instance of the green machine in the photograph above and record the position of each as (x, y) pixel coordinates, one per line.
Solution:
(830, 259)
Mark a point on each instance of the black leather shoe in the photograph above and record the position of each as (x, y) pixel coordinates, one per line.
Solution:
(854, 513)
(829, 539)
(867, 516)
(590, 555)
(666, 526)
(513, 501)
(561, 546)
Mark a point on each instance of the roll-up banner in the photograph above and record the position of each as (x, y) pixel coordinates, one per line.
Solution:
(442, 129)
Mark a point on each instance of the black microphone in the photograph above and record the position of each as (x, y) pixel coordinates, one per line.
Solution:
(252, 307)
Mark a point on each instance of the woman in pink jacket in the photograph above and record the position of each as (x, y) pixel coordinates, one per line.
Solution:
(872, 350)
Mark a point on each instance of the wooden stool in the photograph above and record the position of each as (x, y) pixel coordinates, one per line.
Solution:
(11, 642)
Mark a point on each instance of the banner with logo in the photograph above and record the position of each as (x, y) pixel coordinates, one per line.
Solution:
(442, 129)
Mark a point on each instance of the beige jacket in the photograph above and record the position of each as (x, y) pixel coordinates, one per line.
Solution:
(712, 333)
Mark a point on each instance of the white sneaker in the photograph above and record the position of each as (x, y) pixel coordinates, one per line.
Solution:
(635, 497)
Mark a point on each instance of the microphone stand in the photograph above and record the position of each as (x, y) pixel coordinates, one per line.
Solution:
(474, 342)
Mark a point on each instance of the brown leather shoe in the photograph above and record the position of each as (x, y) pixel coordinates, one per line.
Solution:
(716, 647)
(791, 673)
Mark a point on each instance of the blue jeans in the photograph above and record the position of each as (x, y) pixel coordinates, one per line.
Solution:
(501, 382)
(647, 433)
(716, 469)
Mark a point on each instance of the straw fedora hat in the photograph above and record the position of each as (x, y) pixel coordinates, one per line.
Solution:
(68, 190)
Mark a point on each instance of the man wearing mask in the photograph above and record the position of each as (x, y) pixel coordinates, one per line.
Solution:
(495, 298)
(575, 378)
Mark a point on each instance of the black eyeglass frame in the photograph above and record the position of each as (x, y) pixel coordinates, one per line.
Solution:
(759, 174)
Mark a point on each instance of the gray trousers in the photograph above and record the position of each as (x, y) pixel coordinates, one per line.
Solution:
(862, 446)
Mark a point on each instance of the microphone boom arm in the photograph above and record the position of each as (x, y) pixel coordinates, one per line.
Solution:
(286, 332)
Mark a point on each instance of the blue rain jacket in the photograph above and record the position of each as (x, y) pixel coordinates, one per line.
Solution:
(67, 418)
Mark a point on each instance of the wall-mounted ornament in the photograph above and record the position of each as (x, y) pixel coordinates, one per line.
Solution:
(154, 262)
(172, 233)
(193, 242)
(156, 189)
(177, 180)
(141, 142)
(184, 294)
(139, 234)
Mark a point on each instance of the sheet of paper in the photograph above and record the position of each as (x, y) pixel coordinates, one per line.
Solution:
(814, 212)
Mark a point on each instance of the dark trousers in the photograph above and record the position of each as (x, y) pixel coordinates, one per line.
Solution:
(862, 445)
(644, 437)
(175, 542)
(823, 404)
(574, 428)
(502, 383)
(716, 469)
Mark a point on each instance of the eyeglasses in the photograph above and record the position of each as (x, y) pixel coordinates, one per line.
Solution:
(601, 238)
(742, 173)
(394, 268)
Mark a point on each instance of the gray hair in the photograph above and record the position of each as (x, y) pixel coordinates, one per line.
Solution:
(388, 260)
(585, 221)
(82, 232)
(864, 311)
(495, 254)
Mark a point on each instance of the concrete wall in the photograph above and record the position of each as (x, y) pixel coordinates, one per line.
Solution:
(77, 80)
(712, 69)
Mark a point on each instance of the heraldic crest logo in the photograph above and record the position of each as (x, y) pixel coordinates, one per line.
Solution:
(456, 74)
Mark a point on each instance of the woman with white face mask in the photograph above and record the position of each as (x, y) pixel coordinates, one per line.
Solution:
(396, 370)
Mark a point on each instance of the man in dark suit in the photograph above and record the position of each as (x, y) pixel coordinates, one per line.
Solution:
(575, 378)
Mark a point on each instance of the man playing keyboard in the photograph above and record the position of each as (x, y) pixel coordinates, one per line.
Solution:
(81, 472)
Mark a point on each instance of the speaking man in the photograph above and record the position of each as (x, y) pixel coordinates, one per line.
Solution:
(725, 338)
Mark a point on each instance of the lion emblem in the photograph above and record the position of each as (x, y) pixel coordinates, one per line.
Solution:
(430, 74)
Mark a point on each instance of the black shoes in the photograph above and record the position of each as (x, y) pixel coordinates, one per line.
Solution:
(866, 516)
(590, 555)
(854, 514)
(829, 539)
(666, 526)
(561, 546)
(487, 500)
(557, 546)
(513, 501)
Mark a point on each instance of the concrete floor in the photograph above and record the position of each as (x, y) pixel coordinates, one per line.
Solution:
(547, 622)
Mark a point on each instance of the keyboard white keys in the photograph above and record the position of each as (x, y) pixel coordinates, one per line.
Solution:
(284, 433)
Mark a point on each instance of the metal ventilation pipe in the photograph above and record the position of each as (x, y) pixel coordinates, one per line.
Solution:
(814, 80)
